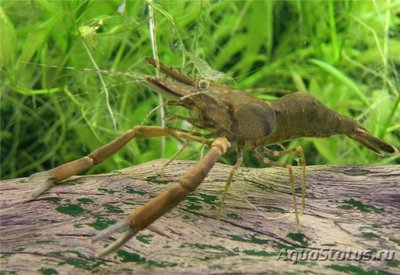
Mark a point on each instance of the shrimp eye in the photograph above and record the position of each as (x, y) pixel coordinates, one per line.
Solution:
(203, 84)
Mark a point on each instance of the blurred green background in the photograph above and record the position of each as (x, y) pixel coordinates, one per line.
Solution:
(346, 53)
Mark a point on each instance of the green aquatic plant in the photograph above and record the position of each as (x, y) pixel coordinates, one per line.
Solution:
(344, 53)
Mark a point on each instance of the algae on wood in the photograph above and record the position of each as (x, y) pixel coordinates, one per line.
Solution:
(349, 208)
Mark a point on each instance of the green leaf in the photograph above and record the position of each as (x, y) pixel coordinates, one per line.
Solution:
(324, 147)
(7, 40)
(341, 77)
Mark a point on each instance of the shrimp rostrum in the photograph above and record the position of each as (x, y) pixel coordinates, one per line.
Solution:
(234, 121)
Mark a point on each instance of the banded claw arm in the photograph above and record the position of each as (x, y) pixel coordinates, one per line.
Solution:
(142, 217)
(48, 179)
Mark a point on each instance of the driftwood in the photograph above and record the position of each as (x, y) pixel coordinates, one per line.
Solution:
(349, 208)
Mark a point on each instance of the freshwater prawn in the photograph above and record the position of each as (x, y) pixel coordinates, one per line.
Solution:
(234, 121)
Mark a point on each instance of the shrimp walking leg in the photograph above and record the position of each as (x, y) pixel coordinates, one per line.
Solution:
(299, 150)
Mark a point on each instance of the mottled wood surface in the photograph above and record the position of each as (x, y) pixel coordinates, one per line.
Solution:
(349, 208)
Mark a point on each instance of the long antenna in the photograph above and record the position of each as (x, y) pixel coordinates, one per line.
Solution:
(90, 70)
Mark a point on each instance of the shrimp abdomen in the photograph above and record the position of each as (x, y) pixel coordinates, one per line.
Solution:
(302, 115)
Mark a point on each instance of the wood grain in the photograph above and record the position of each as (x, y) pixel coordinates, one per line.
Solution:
(349, 208)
